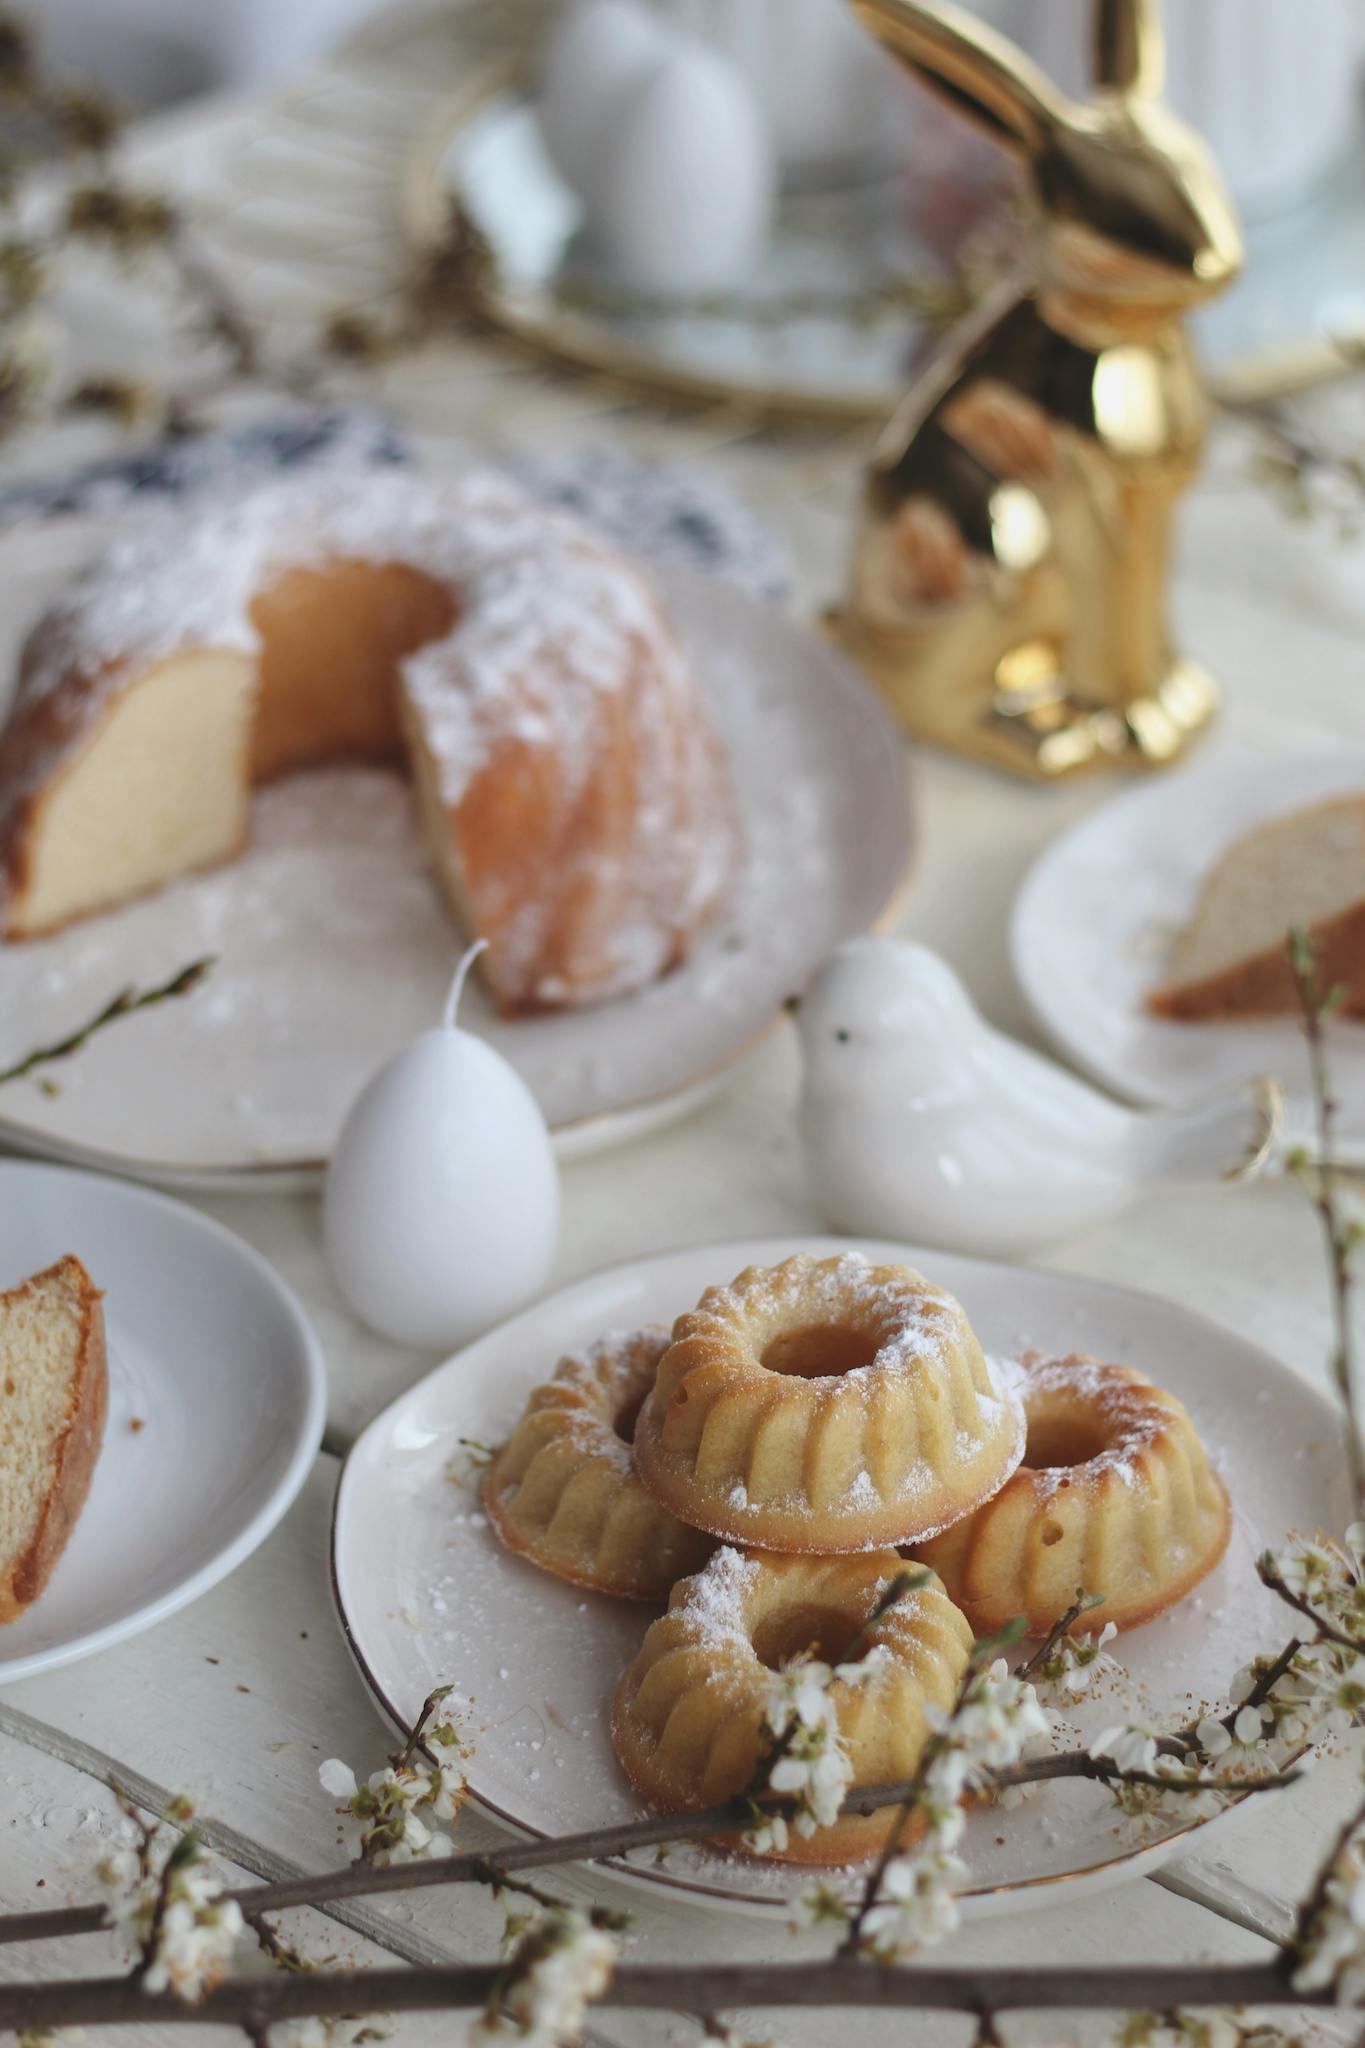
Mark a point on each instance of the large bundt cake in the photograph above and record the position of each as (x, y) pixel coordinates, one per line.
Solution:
(688, 1714)
(826, 1405)
(562, 1490)
(1115, 1497)
(567, 781)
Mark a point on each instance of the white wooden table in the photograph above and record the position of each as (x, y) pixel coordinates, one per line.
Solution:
(237, 1699)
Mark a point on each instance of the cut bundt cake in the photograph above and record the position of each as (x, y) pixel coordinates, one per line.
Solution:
(54, 1396)
(568, 785)
(1115, 1498)
(688, 1715)
(1304, 871)
(562, 1490)
(826, 1405)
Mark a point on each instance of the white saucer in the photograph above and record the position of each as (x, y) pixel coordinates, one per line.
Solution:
(1094, 919)
(334, 948)
(217, 1397)
(427, 1596)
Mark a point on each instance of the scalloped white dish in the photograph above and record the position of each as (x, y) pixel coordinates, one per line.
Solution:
(1095, 917)
(217, 1397)
(427, 1596)
(334, 948)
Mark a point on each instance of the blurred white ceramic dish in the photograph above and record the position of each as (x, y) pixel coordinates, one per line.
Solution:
(217, 1396)
(1093, 923)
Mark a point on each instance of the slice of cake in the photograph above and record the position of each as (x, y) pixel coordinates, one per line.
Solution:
(1231, 959)
(54, 1395)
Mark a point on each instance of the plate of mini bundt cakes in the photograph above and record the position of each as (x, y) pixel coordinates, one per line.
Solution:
(326, 729)
(609, 1522)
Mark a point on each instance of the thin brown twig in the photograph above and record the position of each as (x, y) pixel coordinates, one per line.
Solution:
(890, 1848)
(1321, 1180)
(1079, 1606)
(1327, 1630)
(125, 1004)
(839, 1981)
(362, 1880)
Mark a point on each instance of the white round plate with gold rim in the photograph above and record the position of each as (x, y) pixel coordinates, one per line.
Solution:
(334, 949)
(428, 1597)
(1095, 917)
(217, 1396)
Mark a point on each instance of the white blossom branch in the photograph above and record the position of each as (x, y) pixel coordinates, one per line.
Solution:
(494, 1866)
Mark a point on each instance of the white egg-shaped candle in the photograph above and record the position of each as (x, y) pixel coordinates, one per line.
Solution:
(441, 1212)
(680, 197)
(591, 53)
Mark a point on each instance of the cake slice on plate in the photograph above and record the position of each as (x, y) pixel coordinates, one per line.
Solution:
(54, 1395)
(1231, 960)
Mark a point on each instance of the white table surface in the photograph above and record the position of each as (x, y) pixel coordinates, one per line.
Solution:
(237, 1699)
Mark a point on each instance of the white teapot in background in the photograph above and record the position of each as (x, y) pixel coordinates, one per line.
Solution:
(662, 140)
(921, 1121)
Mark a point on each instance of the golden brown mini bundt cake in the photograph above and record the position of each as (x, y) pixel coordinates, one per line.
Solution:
(826, 1405)
(562, 1490)
(687, 1715)
(569, 789)
(1115, 1496)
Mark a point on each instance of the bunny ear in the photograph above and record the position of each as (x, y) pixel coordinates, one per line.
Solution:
(982, 74)
(1130, 54)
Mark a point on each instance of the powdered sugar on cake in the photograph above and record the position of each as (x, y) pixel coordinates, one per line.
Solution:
(551, 625)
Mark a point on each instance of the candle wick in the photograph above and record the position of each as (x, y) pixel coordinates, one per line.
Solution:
(457, 986)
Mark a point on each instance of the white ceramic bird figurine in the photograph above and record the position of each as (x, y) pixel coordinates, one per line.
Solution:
(921, 1121)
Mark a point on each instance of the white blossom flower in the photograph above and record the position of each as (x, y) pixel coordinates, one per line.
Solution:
(1213, 1738)
(770, 1837)
(398, 1804)
(916, 1904)
(996, 1718)
(197, 1933)
(166, 1905)
(1129, 1747)
(558, 1967)
(822, 1904)
(813, 1767)
(1078, 1661)
(1332, 1949)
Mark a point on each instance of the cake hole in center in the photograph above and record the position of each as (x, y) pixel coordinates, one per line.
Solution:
(823, 1631)
(819, 1351)
(1055, 1440)
(625, 1418)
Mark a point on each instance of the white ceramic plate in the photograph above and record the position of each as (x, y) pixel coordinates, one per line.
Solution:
(334, 948)
(428, 1597)
(217, 1396)
(1095, 917)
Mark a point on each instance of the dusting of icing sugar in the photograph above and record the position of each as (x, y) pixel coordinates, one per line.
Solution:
(1131, 1410)
(551, 624)
(715, 1601)
(590, 1388)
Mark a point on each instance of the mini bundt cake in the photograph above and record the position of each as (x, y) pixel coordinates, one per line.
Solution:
(562, 1490)
(54, 1397)
(568, 785)
(826, 1405)
(688, 1714)
(1115, 1497)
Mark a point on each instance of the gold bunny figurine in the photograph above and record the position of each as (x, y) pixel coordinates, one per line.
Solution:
(1008, 583)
